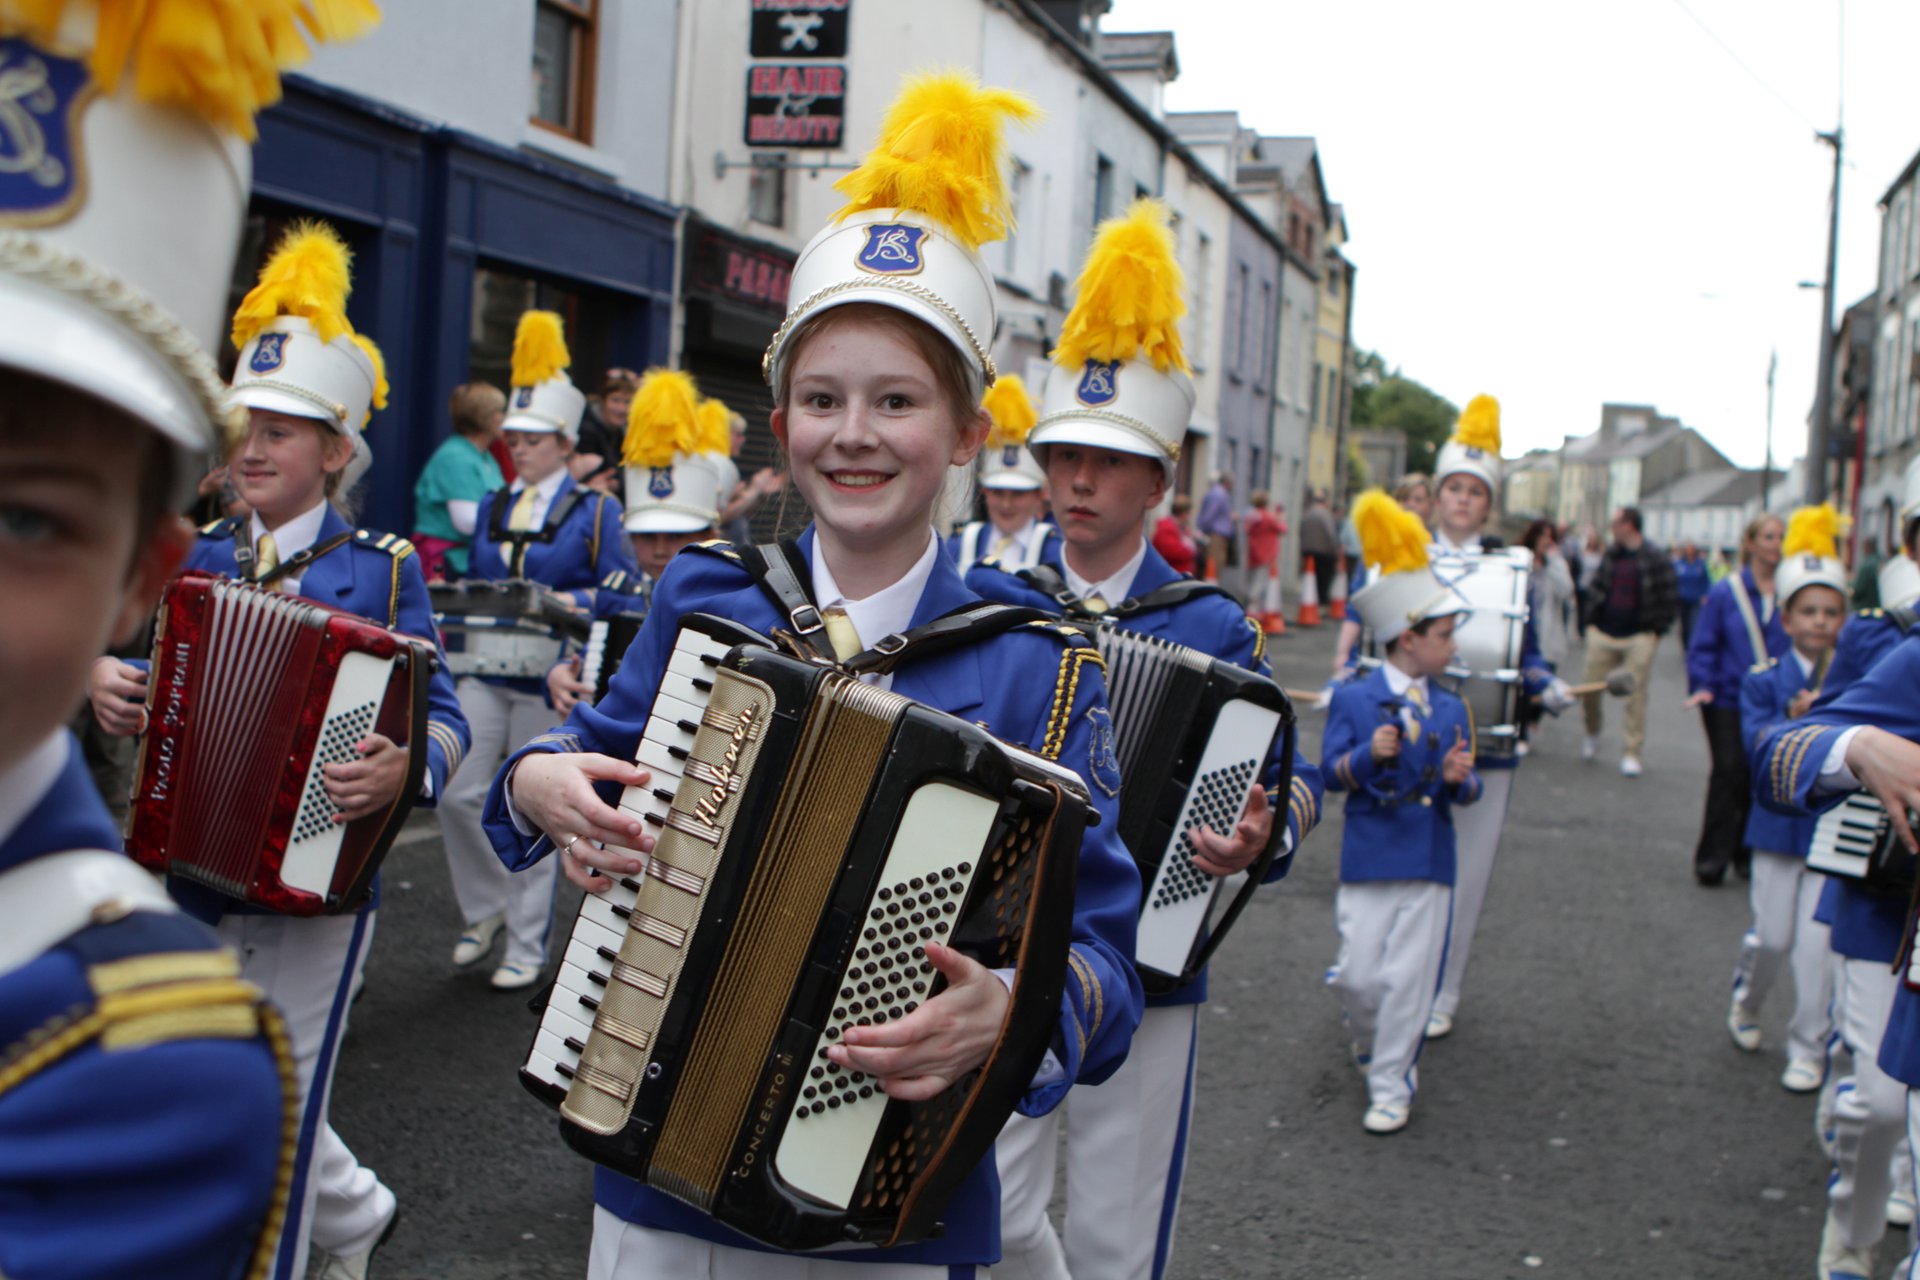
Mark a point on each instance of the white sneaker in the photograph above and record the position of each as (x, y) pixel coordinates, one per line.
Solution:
(1522, 749)
(1630, 766)
(1385, 1117)
(477, 941)
(1590, 746)
(1744, 1027)
(515, 977)
(1439, 1026)
(1900, 1208)
(1803, 1075)
(1837, 1262)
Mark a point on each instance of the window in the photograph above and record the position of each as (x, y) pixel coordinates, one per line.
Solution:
(1239, 364)
(501, 294)
(767, 188)
(1022, 177)
(1202, 296)
(1263, 358)
(1102, 189)
(1313, 411)
(563, 58)
(1333, 277)
(1140, 192)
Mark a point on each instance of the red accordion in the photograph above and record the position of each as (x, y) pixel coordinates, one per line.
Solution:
(251, 693)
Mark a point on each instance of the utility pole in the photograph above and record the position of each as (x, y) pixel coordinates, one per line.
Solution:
(1766, 471)
(1823, 389)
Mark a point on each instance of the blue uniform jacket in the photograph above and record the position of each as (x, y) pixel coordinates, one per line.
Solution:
(1788, 763)
(1722, 650)
(1764, 696)
(1215, 626)
(1031, 686)
(1865, 925)
(149, 1150)
(1399, 813)
(376, 576)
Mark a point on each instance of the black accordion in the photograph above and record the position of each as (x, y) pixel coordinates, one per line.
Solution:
(1194, 736)
(813, 833)
(607, 642)
(1855, 840)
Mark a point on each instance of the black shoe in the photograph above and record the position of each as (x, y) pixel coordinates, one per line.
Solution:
(1710, 878)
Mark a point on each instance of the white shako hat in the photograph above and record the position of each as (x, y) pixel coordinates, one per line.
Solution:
(1120, 379)
(121, 209)
(299, 354)
(543, 398)
(921, 204)
(1005, 462)
(1808, 554)
(1899, 581)
(1402, 589)
(673, 448)
(1474, 448)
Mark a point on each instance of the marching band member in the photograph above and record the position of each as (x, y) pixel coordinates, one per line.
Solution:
(877, 377)
(1402, 748)
(1415, 493)
(1014, 487)
(547, 528)
(1117, 404)
(1468, 476)
(1812, 592)
(309, 383)
(673, 451)
(146, 1091)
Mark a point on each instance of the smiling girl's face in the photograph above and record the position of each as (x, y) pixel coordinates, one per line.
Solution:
(870, 426)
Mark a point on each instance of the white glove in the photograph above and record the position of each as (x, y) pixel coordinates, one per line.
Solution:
(1558, 696)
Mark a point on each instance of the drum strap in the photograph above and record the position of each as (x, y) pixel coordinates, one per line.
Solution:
(1755, 635)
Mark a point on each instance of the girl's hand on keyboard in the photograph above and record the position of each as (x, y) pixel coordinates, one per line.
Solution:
(554, 792)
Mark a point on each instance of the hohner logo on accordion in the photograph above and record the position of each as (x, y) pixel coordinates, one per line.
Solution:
(813, 834)
(252, 693)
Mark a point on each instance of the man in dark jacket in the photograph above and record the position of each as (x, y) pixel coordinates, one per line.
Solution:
(1633, 601)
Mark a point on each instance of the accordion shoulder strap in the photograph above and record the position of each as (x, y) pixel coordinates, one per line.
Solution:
(964, 626)
(1167, 596)
(781, 572)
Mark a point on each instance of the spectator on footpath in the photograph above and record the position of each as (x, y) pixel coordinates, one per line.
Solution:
(1720, 565)
(1549, 592)
(1690, 573)
(1738, 628)
(1866, 577)
(1592, 552)
(1265, 528)
(1633, 602)
(596, 460)
(1320, 544)
(1217, 522)
(1173, 536)
(446, 498)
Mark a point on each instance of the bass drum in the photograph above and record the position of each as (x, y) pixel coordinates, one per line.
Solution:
(1486, 671)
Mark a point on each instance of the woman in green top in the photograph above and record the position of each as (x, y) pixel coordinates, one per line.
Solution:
(460, 473)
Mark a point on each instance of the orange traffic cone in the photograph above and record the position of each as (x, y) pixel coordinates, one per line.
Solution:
(1337, 608)
(1270, 620)
(1309, 596)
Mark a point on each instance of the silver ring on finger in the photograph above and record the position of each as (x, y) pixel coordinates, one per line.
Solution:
(568, 847)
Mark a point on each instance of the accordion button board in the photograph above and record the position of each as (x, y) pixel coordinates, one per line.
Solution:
(314, 845)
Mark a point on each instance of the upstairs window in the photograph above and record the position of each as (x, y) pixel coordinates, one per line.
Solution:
(564, 38)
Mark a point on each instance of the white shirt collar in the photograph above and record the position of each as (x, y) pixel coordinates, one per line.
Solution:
(1806, 663)
(296, 535)
(1022, 537)
(1114, 589)
(887, 610)
(27, 783)
(1398, 682)
(545, 490)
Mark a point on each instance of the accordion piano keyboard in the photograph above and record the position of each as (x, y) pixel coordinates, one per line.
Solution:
(1845, 836)
(594, 656)
(587, 964)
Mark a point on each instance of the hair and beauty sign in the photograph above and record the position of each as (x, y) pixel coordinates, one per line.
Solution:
(795, 98)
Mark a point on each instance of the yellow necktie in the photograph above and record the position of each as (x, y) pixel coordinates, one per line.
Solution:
(841, 633)
(1001, 547)
(522, 517)
(1095, 603)
(266, 558)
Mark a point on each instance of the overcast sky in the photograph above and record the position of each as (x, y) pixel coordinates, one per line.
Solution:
(1565, 204)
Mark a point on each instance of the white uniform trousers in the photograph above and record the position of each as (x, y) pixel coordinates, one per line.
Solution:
(1784, 894)
(1870, 1155)
(1393, 943)
(1476, 838)
(307, 967)
(1126, 1152)
(502, 721)
(624, 1251)
(1909, 1268)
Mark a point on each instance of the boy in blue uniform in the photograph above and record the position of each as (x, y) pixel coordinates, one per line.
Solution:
(1402, 747)
(144, 1087)
(1013, 487)
(1116, 401)
(1812, 590)
(546, 528)
(877, 378)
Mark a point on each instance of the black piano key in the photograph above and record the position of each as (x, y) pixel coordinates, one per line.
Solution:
(704, 686)
(679, 753)
(662, 794)
(563, 1069)
(687, 726)
(574, 1045)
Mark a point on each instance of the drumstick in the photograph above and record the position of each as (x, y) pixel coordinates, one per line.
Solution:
(1619, 684)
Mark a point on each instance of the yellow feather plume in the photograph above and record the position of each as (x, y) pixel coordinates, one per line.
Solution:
(1479, 425)
(1130, 294)
(941, 153)
(539, 348)
(380, 387)
(1391, 537)
(663, 421)
(309, 274)
(713, 428)
(1813, 531)
(1012, 411)
(219, 59)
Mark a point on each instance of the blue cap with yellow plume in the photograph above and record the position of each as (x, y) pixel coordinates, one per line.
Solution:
(1810, 553)
(1120, 376)
(1005, 462)
(543, 398)
(118, 236)
(1402, 589)
(1475, 447)
(673, 472)
(929, 194)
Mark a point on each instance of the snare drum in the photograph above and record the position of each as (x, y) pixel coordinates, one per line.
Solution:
(1486, 671)
(514, 629)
